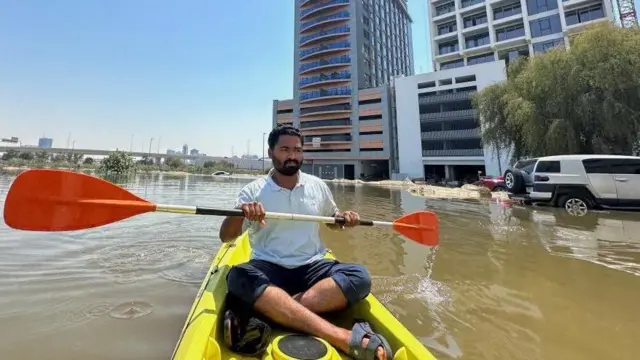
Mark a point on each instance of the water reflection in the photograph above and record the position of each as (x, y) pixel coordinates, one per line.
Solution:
(611, 239)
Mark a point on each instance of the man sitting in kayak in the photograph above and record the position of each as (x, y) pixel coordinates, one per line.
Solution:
(287, 279)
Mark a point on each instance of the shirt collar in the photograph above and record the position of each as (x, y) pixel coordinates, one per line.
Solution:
(301, 180)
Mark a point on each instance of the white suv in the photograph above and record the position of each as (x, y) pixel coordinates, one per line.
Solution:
(579, 182)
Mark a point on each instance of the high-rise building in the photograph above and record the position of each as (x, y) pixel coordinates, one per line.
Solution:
(345, 53)
(467, 32)
(185, 149)
(45, 143)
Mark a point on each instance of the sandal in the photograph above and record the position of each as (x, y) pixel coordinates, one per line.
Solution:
(359, 332)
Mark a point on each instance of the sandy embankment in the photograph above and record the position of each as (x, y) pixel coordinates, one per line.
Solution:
(466, 192)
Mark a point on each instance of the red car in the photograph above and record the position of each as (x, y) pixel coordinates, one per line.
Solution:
(493, 184)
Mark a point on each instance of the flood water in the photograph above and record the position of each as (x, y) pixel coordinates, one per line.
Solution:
(505, 283)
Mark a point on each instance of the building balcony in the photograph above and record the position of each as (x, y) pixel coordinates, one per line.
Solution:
(309, 25)
(443, 98)
(284, 118)
(453, 152)
(326, 109)
(324, 78)
(452, 35)
(324, 34)
(318, 7)
(344, 91)
(451, 134)
(325, 49)
(326, 145)
(323, 130)
(448, 115)
(444, 16)
(574, 4)
(471, 6)
(325, 64)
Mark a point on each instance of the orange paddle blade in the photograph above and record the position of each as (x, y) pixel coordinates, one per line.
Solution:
(420, 226)
(60, 200)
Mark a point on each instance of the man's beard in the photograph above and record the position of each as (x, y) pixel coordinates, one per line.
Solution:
(289, 168)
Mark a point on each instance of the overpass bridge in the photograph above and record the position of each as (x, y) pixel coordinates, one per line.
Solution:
(246, 164)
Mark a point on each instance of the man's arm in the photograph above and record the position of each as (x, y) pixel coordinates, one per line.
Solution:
(232, 226)
(329, 207)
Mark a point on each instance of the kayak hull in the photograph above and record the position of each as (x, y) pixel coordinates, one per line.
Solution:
(201, 336)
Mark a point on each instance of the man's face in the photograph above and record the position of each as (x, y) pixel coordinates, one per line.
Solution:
(287, 155)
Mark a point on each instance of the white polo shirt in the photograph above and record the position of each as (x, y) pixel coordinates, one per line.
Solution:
(288, 243)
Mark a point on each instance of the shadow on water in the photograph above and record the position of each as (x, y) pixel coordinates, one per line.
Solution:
(505, 282)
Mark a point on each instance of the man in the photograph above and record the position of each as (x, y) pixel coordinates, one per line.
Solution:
(287, 279)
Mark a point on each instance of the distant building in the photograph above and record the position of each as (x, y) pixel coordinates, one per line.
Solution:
(185, 149)
(194, 152)
(45, 143)
(437, 128)
(171, 152)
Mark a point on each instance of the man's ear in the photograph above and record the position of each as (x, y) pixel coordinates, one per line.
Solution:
(270, 153)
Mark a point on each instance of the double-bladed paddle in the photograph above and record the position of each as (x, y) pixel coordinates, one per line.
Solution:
(62, 200)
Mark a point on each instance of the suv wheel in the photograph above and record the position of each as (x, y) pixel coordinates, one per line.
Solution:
(514, 181)
(575, 204)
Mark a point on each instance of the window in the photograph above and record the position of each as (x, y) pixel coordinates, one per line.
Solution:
(452, 64)
(612, 166)
(477, 40)
(479, 59)
(447, 28)
(583, 15)
(548, 167)
(511, 32)
(545, 26)
(547, 45)
(526, 165)
(506, 11)
(475, 20)
(538, 6)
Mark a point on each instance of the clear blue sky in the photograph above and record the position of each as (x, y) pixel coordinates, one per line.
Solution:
(201, 72)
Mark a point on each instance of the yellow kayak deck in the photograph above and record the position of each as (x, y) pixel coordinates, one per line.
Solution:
(202, 339)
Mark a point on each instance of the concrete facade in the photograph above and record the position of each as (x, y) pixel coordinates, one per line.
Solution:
(345, 53)
(367, 147)
(436, 124)
(468, 32)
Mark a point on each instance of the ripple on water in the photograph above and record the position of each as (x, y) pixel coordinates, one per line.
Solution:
(133, 262)
(131, 310)
(86, 313)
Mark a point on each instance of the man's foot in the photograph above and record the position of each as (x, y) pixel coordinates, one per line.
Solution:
(364, 344)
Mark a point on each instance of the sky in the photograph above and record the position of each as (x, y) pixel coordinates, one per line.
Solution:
(198, 72)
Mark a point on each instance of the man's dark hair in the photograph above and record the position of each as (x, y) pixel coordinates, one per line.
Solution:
(280, 130)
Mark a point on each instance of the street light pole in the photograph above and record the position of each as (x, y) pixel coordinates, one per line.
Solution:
(263, 134)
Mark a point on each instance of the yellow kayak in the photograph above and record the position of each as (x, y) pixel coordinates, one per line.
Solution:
(202, 336)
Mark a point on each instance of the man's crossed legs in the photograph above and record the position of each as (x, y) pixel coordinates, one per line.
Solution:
(323, 286)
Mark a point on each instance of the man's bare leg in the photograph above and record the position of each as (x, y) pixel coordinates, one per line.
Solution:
(324, 296)
(276, 304)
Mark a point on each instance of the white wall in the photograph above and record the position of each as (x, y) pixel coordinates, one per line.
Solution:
(408, 114)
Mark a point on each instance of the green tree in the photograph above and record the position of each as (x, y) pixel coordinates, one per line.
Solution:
(88, 161)
(582, 100)
(117, 163)
(42, 156)
(26, 156)
(76, 158)
(174, 163)
(10, 155)
(146, 160)
(58, 158)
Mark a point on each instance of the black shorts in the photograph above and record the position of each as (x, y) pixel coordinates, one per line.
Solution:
(248, 281)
